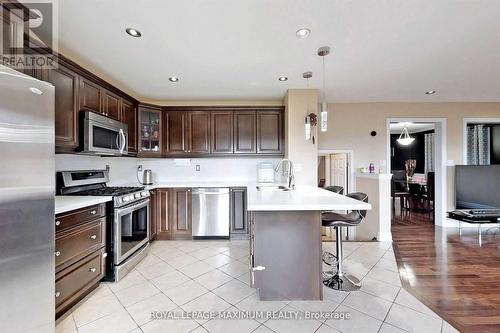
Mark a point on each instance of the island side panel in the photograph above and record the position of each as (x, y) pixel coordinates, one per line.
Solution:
(288, 245)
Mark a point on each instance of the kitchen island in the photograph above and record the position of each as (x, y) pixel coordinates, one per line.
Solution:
(285, 242)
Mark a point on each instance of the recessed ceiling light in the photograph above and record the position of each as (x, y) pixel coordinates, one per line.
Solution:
(173, 79)
(282, 78)
(303, 33)
(133, 32)
(430, 92)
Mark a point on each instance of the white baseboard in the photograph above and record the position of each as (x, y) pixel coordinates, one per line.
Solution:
(384, 236)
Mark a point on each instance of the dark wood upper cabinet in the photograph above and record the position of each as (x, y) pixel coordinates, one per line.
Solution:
(89, 96)
(269, 132)
(221, 128)
(129, 116)
(175, 135)
(150, 131)
(187, 132)
(198, 132)
(244, 132)
(111, 105)
(65, 83)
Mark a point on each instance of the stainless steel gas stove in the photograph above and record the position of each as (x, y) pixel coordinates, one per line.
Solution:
(127, 232)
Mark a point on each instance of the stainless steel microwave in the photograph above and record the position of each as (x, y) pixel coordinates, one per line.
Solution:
(101, 135)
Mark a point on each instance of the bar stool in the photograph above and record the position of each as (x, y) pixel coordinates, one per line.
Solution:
(329, 258)
(335, 188)
(340, 280)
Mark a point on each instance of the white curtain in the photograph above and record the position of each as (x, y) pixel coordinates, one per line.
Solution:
(429, 152)
(478, 145)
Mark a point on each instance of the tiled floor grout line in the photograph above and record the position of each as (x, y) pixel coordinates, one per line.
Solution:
(187, 251)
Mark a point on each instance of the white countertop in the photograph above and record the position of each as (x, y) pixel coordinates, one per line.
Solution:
(302, 198)
(71, 202)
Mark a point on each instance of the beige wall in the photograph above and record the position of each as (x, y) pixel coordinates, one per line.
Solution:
(350, 124)
(303, 153)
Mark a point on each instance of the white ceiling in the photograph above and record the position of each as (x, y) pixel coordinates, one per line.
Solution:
(396, 128)
(382, 50)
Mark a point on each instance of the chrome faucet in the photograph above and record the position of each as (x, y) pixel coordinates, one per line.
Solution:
(289, 173)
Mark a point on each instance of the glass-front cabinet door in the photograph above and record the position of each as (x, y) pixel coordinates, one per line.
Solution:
(150, 130)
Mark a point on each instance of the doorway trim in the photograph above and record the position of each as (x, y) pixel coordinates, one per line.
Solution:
(441, 185)
(351, 186)
(474, 120)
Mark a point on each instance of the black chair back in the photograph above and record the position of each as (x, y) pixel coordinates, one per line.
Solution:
(335, 188)
(398, 181)
(361, 197)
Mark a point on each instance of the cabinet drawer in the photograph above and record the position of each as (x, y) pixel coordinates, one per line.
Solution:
(75, 243)
(79, 216)
(74, 282)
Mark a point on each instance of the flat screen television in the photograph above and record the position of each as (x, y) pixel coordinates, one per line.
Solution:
(477, 186)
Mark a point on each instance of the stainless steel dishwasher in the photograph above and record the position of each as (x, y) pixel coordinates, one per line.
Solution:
(210, 209)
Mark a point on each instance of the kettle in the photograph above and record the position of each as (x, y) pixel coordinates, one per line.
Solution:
(147, 177)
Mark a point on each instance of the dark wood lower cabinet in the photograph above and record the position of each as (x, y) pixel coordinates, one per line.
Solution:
(79, 254)
(172, 213)
(78, 280)
(239, 216)
(162, 208)
(180, 213)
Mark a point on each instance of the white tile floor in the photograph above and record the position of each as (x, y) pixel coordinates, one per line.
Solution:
(213, 276)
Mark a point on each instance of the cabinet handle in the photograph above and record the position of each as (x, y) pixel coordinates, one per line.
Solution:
(58, 223)
(58, 294)
(92, 270)
(93, 212)
(58, 254)
(93, 237)
(258, 268)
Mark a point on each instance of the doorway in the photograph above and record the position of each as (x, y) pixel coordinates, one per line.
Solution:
(334, 169)
(412, 166)
(419, 168)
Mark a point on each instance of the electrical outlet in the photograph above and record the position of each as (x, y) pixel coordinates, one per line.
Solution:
(198, 168)
(139, 168)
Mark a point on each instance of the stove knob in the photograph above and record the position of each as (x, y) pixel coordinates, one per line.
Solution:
(125, 199)
(144, 193)
(137, 195)
(131, 197)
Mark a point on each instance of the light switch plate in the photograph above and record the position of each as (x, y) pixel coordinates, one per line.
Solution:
(198, 168)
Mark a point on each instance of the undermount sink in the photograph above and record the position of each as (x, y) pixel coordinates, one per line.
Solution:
(272, 188)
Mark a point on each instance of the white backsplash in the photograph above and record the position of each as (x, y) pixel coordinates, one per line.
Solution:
(123, 170)
(211, 169)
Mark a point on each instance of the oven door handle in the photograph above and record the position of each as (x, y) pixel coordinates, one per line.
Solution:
(125, 210)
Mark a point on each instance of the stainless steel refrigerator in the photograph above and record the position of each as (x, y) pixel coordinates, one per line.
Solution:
(27, 187)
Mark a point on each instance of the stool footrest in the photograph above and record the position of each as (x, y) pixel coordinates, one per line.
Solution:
(343, 283)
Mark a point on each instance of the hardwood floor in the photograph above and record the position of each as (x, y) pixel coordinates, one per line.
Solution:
(451, 274)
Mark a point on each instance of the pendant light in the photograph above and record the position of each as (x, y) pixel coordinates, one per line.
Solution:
(404, 137)
(307, 122)
(323, 107)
